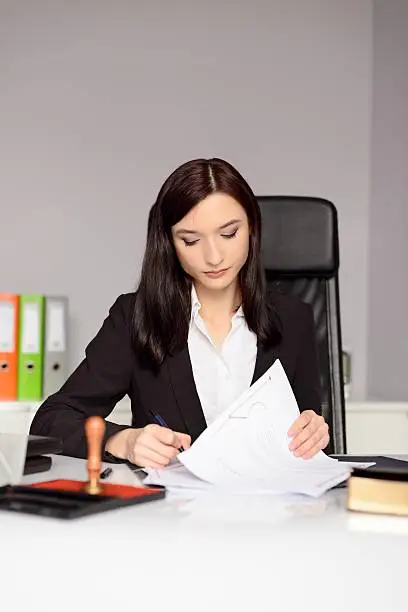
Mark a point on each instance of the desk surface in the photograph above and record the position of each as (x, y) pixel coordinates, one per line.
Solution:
(205, 553)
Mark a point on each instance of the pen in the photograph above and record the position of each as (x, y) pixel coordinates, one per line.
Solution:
(160, 421)
(106, 473)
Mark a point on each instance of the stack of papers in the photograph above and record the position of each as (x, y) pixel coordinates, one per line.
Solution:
(246, 448)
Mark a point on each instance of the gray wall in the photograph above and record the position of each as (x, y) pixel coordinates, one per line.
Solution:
(388, 320)
(101, 100)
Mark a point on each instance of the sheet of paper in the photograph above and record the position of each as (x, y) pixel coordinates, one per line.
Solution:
(13, 448)
(175, 476)
(249, 440)
(246, 448)
(313, 483)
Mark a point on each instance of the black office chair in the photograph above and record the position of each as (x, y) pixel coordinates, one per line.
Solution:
(300, 250)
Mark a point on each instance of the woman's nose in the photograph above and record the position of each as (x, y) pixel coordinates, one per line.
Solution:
(213, 255)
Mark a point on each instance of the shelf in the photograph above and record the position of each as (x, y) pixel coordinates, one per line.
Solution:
(370, 407)
(124, 406)
(372, 427)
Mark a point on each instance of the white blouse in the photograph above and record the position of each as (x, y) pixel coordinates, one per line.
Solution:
(220, 374)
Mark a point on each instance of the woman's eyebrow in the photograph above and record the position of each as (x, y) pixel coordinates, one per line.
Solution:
(185, 231)
(223, 226)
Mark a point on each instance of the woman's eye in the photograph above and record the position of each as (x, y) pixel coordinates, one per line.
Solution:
(189, 242)
(232, 235)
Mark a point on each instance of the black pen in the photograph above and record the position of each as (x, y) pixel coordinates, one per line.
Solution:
(106, 473)
(160, 421)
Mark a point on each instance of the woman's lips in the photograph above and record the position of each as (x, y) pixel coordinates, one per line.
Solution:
(217, 273)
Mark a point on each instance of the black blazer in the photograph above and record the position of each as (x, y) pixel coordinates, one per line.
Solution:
(111, 369)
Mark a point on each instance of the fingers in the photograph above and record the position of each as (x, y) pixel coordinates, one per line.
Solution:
(311, 434)
(311, 424)
(185, 440)
(163, 435)
(157, 446)
(301, 422)
(146, 457)
(165, 450)
(316, 443)
(169, 437)
(320, 446)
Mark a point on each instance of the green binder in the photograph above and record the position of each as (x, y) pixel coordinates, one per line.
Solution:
(31, 348)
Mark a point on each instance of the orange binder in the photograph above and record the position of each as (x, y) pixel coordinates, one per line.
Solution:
(8, 346)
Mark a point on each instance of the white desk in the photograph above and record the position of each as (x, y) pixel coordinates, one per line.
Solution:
(252, 553)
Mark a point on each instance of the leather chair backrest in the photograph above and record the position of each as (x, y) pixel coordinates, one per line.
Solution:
(300, 250)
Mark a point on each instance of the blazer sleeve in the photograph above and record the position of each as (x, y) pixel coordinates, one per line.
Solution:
(306, 384)
(98, 383)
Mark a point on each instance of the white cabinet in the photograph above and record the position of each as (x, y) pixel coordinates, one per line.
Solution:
(16, 417)
(377, 427)
(371, 427)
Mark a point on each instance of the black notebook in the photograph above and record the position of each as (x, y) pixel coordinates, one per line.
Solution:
(381, 462)
(38, 447)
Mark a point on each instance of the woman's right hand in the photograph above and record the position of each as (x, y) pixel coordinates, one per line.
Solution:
(152, 446)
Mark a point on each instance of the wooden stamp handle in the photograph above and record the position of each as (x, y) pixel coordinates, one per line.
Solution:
(94, 432)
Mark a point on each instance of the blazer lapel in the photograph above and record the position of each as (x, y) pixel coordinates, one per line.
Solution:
(264, 359)
(182, 384)
(185, 392)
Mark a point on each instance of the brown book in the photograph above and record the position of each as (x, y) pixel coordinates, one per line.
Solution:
(379, 492)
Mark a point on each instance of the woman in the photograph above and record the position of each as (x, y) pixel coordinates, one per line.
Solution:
(197, 332)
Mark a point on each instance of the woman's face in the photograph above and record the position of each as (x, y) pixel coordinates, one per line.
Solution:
(212, 241)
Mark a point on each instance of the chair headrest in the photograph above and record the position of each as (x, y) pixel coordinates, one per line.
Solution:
(299, 235)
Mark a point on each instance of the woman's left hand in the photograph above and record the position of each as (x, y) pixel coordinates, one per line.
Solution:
(309, 433)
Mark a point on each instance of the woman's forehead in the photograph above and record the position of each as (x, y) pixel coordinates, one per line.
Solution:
(213, 212)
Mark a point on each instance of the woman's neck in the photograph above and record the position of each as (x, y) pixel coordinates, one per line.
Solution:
(216, 305)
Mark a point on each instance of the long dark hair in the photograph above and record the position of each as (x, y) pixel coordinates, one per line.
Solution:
(163, 299)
